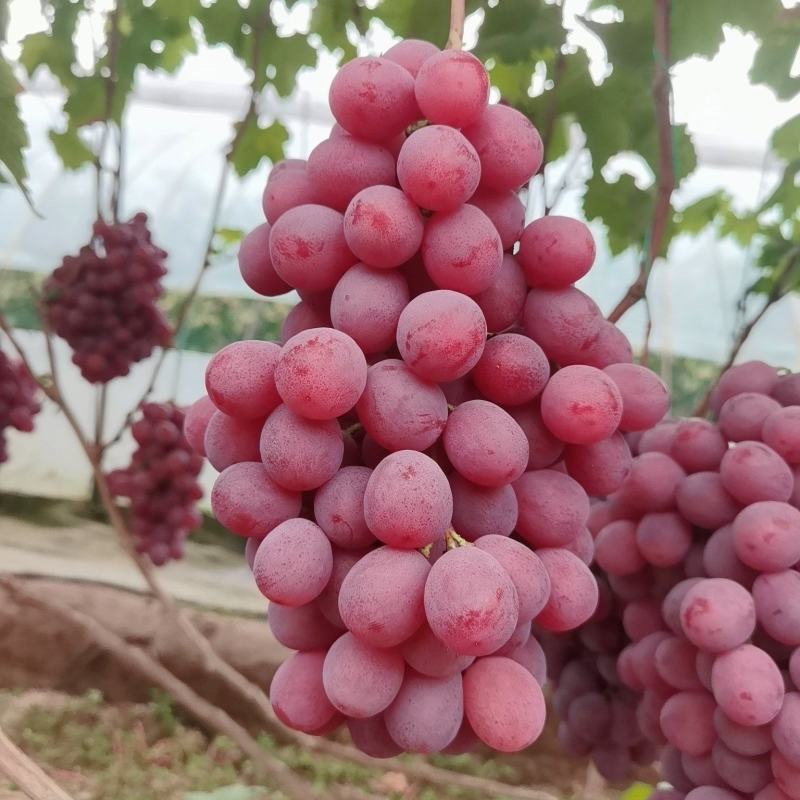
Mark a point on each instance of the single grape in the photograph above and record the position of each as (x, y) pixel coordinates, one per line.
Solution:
(383, 227)
(573, 591)
(452, 88)
(430, 656)
(471, 603)
(288, 189)
(777, 601)
(503, 301)
(747, 740)
(717, 615)
(512, 370)
(298, 453)
(505, 210)
(742, 417)
(720, 559)
(663, 538)
(703, 500)
(400, 410)
(609, 346)
(752, 472)
(381, 599)
(373, 98)
(750, 376)
(438, 168)
(687, 720)
(195, 423)
(411, 54)
(781, 432)
(293, 564)
(641, 617)
(509, 147)
(342, 166)
(482, 510)
(600, 468)
(407, 502)
(339, 508)
(544, 449)
(555, 252)
(616, 549)
(653, 483)
(255, 264)
(565, 323)
(302, 317)
(581, 405)
(766, 536)
(297, 694)
(786, 389)
(427, 712)
(485, 444)
(249, 503)
(582, 546)
(675, 663)
(328, 601)
(240, 379)
(503, 703)
(747, 685)
(645, 397)
(461, 250)
(230, 441)
(552, 508)
(301, 627)
(441, 335)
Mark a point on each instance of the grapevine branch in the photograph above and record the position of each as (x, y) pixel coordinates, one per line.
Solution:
(666, 173)
(198, 707)
(779, 289)
(455, 41)
(219, 196)
(26, 774)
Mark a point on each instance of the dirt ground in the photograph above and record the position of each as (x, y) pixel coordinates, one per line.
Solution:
(80, 565)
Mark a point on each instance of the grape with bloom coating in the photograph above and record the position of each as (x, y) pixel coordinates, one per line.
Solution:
(429, 655)
(717, 614)
(299, 453)
(750, 376)
(687, 720)
(781, 432)
(240, 379)
(301, 627)
(697, 445)
(663, 538)
(411, 54)
(373, 98)
(293, 564)
(452, 88)
(544, 449)
(509, 147)
(752, 471)
(616, 551)
(766, 536)
(471, 603)
(381, 599)
(505, 210)
(407, 501)
(249, 503)
(361, 680)
(438, 168)
(581, 405)
(400, 410)
(229, 440)
(503, 301)
(512, 370)
(503, 703)
(255, 264)
(371, 737)
(383, 227)
(555, 252)
(703, 500)
(461, 250)
(645, 397)
(485, 444)
(777, 601)
(195, 422)
(339, 508)
(573, 594)
(441, 335)
(653, 482)
(297, 694)
(600, 468)
(742, 417)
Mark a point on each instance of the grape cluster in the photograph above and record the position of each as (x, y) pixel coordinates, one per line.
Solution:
(701, 546)
(18, 403)
(411, 465)
(102, 302)
(161, 483)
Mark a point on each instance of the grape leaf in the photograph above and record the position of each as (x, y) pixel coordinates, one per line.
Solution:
(13, 137)
(287, 54)
(70, 149)
(257, 143)
(786, 139)
(515, 30)
(702, 212)
(329, 21)
(773, 61)
(623, 208)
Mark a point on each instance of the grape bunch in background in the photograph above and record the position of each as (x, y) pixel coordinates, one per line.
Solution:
(103, 302)
(18, 403)
(411, 465)
(700, 547)
(161, 483)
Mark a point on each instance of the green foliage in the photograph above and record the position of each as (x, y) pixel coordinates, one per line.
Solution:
(257, 143)
(12, 132)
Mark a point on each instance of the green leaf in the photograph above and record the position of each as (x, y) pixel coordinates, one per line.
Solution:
(418, 19)
(70, 149)
(13, 138)
(257, 143)
(288, 54)
(515, 30)
(512, 80)
(329, 20)
(786, 139)
(622, 206)
(86, 101)
(54, 49)
(235, 792)
(773, 61)
(701, 213)
(176, 50)
(743, 228)
(786, 195)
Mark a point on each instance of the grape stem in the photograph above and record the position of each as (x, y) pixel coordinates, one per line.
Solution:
(26, 774)
(455, 41)
(426, 551)
(455, 540)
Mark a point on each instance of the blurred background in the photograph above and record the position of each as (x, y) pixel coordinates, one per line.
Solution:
(581, 70)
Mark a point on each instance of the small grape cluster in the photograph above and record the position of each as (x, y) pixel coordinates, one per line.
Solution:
(18, 403)
(411, 465)
(161, 483)
(102, 302)
(701, 546)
